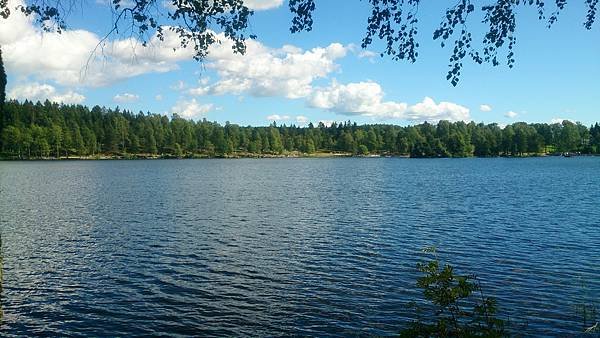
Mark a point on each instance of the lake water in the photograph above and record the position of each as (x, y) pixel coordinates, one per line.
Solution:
(290, 246)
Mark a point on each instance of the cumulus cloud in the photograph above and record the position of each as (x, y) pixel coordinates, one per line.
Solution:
(263, 71)
(125, 98)
(511, 114)
(428, 110)
(69, 97)
(78, 58)
(366, 99)
(41, 92)
(361, 98)
(485, 108)
(277, 117)
(69, 58)
(191, 109)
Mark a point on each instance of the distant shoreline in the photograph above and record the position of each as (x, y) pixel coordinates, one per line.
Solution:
(54, 132)
(108, 157)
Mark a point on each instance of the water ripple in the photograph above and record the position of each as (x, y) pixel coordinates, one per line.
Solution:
(323, 247)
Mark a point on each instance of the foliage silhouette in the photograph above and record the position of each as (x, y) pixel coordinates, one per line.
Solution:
(394, 22)
(459, 307)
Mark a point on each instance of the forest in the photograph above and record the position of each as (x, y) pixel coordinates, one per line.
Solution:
(48, 130)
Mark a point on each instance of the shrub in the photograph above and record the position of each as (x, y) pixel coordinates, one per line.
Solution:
(456, 303)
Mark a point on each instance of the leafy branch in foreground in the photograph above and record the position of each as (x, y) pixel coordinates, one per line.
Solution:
(587, 308)
(393, 22)
(456, 303)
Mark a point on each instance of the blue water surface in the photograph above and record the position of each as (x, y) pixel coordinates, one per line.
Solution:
(271, 247)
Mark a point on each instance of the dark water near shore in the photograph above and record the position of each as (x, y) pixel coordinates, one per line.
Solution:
(289, 246)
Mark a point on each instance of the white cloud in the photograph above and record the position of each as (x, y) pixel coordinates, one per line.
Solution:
(41, 92)
(125, 98)
(301, 119)
(276, 117)
(485, 108)
(158, 97)
(69, 97)
(263, 71)
(259, 5)
(366, 99)
(560, 120)
(69, 58)
(428, 110)
(191, 109)
(362, 98)
(511, 114)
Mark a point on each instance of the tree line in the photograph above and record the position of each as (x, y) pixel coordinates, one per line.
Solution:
(48, 130)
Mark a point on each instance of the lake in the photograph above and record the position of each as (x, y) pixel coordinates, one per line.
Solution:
(270, 247)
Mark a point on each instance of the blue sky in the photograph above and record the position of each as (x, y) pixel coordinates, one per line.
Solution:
(312, 76)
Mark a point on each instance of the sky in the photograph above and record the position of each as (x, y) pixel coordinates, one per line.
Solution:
(322, 75)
